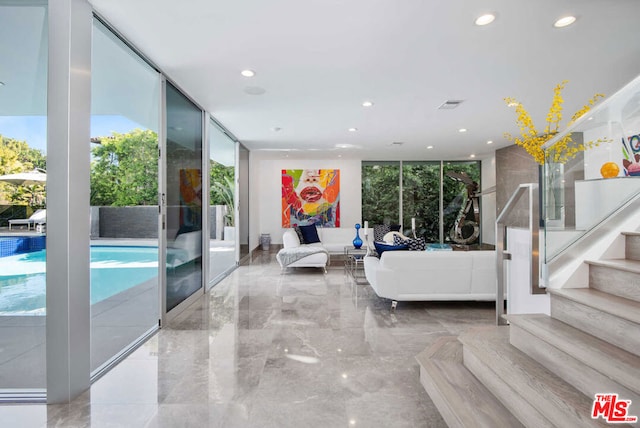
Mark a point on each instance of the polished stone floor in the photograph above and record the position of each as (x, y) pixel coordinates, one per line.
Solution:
(265, 349)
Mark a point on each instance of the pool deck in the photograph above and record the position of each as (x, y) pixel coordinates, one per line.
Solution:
(116, 322)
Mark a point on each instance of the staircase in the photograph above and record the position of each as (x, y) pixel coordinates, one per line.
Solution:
(544, 371)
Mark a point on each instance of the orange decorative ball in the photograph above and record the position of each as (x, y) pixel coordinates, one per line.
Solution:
(609, 170)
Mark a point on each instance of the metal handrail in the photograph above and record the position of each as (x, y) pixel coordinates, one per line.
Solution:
(501, 244)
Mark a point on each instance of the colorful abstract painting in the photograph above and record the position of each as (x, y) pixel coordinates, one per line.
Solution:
(190, 199)
(631, 155)
(311, 196)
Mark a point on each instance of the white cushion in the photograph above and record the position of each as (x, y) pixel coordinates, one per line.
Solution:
(290, 239)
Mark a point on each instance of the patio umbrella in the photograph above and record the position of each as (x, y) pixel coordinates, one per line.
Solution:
(37, 176)
(28, 178)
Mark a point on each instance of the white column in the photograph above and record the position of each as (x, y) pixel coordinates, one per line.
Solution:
(68, 124)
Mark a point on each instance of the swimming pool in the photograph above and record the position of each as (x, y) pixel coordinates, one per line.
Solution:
(114, 269)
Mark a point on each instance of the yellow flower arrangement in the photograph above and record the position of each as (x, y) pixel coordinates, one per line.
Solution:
(532, 141)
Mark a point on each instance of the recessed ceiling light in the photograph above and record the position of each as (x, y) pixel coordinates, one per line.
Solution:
(489, 142)
(429, 147)
(248, 73)
(353, 129)
(485, 19)
(367, 104)
(472, 156)
(1, 83)
(462, 130)
(276, 129)
(564, 21)
(513, 104)
(591, 118)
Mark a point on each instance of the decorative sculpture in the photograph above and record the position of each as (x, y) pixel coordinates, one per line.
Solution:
(466, 230)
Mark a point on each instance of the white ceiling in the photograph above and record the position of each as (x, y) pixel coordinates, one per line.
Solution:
(318, 60)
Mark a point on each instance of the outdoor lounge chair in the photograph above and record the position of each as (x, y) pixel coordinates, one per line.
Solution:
(38, 218)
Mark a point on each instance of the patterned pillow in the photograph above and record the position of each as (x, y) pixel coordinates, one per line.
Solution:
(381, 247)
(379, 230)
(418, 244)
(299, 233)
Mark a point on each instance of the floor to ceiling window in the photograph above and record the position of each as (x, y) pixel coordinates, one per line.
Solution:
(183, 160)
(421, 199)
(23, 142)
(381, 192)
(437, 195)
(223, 232)
(124, 197)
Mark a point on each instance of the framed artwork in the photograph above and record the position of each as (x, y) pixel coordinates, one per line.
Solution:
(310, 196)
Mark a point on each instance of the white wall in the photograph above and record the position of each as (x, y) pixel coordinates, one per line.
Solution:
(266, 184)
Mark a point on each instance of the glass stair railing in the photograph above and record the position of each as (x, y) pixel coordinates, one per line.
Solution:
(580, 195)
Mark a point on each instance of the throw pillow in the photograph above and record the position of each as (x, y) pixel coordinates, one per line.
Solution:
(309, 234)
(381, 247)
(379, 230)
(299, 233)
(395, 227)
(417, 244)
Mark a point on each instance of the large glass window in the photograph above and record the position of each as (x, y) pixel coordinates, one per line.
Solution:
(124, 197)
(23, 142)
(222, 210)
(381, 192)
(438, 196)
(421, 199)
(184, 197)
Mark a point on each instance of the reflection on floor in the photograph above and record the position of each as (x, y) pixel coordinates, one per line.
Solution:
(266, 349)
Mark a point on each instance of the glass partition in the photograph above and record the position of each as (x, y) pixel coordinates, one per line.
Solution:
(124, 197)
(23, 144)
(580, 194)
(183, 197)
(222, 209)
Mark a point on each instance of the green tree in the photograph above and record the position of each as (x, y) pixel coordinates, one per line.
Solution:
(381, 192)
(17, 156)
(124, 169)
(222, 188)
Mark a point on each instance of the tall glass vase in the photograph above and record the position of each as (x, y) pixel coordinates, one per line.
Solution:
(357, 242)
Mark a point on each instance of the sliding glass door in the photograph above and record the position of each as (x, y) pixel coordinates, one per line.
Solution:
(183, 197)
(223, 233)
(125, 113)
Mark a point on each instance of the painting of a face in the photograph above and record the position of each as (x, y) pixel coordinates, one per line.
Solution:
(310, 196)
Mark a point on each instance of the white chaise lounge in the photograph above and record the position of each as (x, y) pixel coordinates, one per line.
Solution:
(295, 254)
(37, 220)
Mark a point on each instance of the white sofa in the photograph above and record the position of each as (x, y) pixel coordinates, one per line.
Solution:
(433, 275)
(291, 244)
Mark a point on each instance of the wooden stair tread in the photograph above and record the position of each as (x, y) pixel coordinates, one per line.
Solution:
(546, 392)
(626, 265)
(605, 302)
(461, 398)
(614, 362)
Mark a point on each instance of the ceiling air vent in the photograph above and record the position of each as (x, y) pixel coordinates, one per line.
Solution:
(450, 104)
(397, 143)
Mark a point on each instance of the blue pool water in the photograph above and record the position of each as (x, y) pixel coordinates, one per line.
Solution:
(113, 270)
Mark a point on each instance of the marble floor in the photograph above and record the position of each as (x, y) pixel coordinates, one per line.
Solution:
(265, 349)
